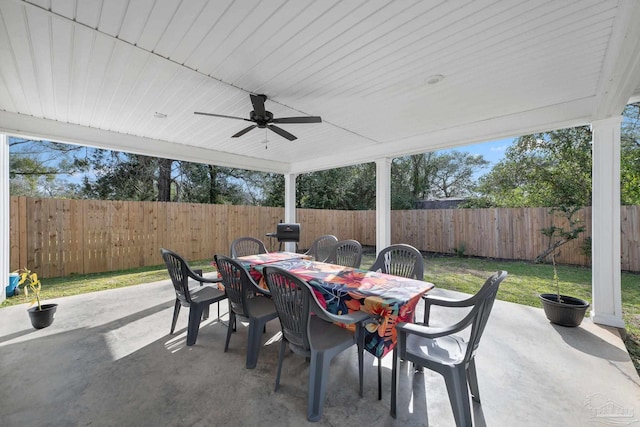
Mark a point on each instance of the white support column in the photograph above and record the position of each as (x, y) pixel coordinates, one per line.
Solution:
(4, 215)
(383, 203)
(606, 307)
(290, 205)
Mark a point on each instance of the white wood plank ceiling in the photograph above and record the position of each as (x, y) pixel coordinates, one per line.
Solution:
(96, 72)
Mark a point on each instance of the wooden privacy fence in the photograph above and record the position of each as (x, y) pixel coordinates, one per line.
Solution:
(61, 237)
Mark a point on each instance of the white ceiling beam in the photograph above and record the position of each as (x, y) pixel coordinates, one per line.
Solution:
(31, 127)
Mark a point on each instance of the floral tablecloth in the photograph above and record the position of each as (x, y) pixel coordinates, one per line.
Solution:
(251, 261)
(344, 289)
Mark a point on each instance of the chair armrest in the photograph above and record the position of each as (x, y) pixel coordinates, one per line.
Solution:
(347, 319)
(212, 280)
(361, 317)
(192, 274)
(425, 331)
(441, 301)
(260, 290)
(446, 302)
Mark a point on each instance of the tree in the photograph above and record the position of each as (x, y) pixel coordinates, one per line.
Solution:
(274, 190)
(558, 236)
(546, 169)
(630, 156)
(121, 176)
(40, 168)
(351, 187)
(125, 176)
(354, 187)
(554, 169)
(203, 183)
(453, 173)
(434, 175)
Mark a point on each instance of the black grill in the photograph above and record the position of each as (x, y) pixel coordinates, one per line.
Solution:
(288, 233)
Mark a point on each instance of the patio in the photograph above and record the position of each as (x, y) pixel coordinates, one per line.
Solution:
(390, 79)
(108, 360)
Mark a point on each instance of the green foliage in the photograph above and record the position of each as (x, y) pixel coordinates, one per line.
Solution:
(554, 169)
(460, 250)
(39, 168)
(630, 156)
(31, 283)
(274, 190)
(546, 169)
(123, 176)
(433, 175)
(351, 188)
(558, 236)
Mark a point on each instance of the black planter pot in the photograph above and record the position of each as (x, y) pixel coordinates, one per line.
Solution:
(568, 312)
(42, 318)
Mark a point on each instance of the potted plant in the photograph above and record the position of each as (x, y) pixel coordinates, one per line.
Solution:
(42, 315)
(562, 309)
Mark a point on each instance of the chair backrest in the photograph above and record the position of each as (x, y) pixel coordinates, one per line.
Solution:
(291, 297)
(347, 253)
(244, 246)
(479, 315)
(321, 247)
(238, 284)
(177, 267)
(400, 260)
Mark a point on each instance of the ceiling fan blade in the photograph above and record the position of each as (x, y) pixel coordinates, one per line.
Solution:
(221, 115)
(283, 133)
(258, 104)
(243, 131)
(308, 119)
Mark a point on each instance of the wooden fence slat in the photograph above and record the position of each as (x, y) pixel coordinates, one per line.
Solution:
(62, 237)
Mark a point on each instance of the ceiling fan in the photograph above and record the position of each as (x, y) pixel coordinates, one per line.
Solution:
(263, 119)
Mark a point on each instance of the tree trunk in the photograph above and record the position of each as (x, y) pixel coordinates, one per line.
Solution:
(214, 191)
(549, 250)
(164, 180)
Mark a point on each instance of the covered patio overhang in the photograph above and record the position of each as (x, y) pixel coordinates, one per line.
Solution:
(388, 79)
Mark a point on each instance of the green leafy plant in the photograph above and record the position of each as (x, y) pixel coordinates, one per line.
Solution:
(460, 250)
(558, 236)
(31, 284)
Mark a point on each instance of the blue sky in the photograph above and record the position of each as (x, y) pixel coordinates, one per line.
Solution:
(492, 151)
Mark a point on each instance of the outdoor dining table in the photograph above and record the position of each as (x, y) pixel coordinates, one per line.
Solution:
(392, 299)
(250, 262)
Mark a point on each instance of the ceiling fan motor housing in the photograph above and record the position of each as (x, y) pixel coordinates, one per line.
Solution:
(260, 120)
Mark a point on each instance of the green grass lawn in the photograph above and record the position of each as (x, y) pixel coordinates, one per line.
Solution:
(522, 286)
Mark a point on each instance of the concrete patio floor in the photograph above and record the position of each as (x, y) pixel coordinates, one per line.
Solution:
(108, 360)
